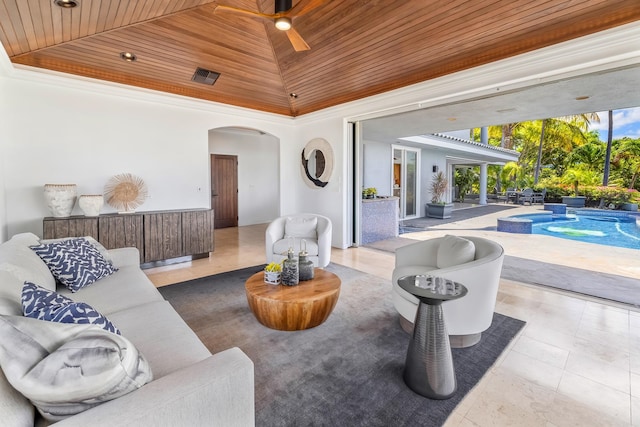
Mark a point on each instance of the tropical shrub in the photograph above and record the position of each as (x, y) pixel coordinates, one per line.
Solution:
(593, 193)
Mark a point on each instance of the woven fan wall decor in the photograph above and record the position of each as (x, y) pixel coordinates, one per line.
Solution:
(125, 192)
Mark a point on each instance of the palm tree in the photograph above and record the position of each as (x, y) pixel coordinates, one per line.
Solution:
(580, 175)
(576, 124)
(591, 155)
(514, 173)
(607, 156)
(507, 134)
(628, 154)
(536, 173)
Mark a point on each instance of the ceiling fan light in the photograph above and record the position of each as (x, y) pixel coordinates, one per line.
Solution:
(283, 23)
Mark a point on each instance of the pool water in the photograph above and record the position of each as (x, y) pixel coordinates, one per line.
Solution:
(611, 230)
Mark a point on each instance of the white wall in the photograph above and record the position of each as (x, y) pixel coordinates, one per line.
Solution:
(297, 196)
(377, 167)
(3, 159)
(429, 158)
(62, 131)
(258, 172)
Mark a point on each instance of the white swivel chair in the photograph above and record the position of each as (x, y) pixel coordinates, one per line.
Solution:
(290, 230)
(472, 261)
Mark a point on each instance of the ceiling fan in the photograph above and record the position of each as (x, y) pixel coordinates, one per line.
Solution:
(282, 18)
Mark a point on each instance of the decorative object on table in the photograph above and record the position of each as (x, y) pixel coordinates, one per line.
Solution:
(439, 208)
(125, 192)
(305, 265)
(273, 273)
(290, 273)
(90, 204)
(317, 163)
(60, 198)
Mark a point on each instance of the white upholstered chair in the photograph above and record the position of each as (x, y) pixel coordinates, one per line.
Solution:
(472, 261)
(290, 230)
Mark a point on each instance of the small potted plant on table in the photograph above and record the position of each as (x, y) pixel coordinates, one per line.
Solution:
(273, 273)
(369, 193)
(438, 208)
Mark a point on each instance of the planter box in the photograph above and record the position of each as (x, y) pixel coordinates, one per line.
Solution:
(574, 201)
(437, 210)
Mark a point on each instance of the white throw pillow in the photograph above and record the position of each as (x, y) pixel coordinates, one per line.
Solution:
(455, 250)
(15, 409)
(301, 227)
(17, 258)
(10, 294)
(64, 369)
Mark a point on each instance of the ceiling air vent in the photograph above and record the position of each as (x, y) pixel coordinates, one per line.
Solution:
(205, 76)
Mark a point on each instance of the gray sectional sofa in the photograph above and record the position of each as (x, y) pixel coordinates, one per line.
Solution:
(190, 386)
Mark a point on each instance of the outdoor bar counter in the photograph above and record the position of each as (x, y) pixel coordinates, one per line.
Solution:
(379, 219)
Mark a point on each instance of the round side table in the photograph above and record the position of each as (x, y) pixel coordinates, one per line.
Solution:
(429, 367)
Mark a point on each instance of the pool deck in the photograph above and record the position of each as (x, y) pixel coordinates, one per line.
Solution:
(570, 253)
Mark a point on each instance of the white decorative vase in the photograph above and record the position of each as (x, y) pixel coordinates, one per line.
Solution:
(60, 198)
(91, 204)
(272, 277)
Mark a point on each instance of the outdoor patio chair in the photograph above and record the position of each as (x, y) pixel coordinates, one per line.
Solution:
(474, 262)
(511, 195)
(526, 196)
(539, 197)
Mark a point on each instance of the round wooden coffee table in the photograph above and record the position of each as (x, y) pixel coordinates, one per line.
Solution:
(293, 308)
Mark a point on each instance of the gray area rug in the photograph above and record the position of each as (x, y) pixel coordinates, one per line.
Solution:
(592, 283)
(347, 371)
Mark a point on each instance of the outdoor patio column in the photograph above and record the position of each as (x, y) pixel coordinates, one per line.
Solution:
(483, 184)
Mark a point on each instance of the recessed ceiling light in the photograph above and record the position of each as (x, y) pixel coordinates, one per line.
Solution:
(128, 56)
(582, 98)
(293, 95)
(66, 4)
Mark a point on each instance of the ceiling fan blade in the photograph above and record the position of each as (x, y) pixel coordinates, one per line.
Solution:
(303, 7)
(297, 41)
(223, 8)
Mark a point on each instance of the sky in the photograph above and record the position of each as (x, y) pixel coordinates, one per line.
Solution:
(626, 122)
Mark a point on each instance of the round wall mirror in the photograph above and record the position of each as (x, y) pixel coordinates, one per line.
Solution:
(317, 163)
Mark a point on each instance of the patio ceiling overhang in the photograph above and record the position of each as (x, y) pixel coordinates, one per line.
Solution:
(461, 151)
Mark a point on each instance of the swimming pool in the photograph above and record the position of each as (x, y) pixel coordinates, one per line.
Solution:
(601, 227)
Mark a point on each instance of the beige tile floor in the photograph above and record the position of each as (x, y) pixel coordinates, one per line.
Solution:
(576, 362)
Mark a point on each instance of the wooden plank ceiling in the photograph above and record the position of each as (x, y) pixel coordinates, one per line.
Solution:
(358, 47)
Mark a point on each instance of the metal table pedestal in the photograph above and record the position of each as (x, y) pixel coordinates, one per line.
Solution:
(429, 367)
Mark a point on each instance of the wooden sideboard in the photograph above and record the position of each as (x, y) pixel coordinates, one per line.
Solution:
(159, 235)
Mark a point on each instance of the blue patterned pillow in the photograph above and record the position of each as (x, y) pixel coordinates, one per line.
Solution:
(43, 304)
(75, 263)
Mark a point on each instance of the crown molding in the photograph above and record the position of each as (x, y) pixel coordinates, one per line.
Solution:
(112, 89)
